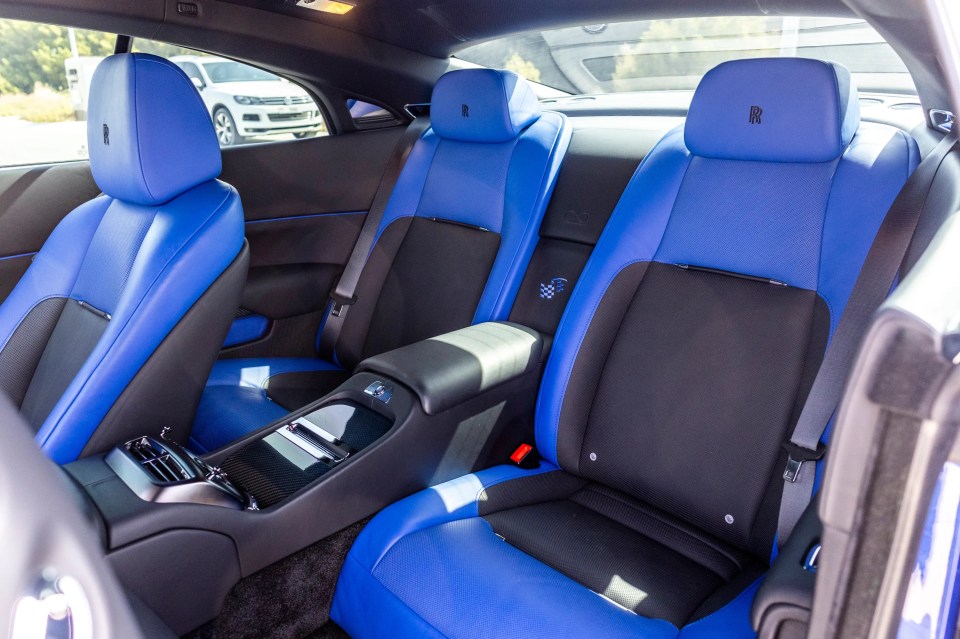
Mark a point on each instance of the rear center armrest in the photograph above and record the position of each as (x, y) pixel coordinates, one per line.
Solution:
(449, 369)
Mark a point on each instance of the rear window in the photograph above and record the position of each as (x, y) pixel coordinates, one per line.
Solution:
(673, 54)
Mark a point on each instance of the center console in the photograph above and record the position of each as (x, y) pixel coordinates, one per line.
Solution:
(160, 470)
(405, 420)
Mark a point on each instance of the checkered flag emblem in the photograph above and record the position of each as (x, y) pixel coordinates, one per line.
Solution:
(550, 289)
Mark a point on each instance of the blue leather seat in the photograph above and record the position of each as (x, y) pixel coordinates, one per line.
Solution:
(451, 249)
(678, 369)
(113, 329)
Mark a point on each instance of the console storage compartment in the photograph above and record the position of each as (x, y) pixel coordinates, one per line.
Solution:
(302, 450)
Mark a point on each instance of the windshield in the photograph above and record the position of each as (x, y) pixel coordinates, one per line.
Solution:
(673, 54)
(236, 72)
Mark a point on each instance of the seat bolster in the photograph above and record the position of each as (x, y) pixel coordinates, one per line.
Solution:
(256, 372)
(235, 401)
(191, 241)
(449, 501)
(654, 186)
(53, 271)
(867, 180)
(408, 190)
(524, 208)
(359, 592)
(227, 413)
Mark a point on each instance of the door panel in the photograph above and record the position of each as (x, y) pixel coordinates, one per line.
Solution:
(33, 200)
(305, 202)
(330, 174)
(295, 261)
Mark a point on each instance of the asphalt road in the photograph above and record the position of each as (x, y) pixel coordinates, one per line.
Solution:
(24, 142)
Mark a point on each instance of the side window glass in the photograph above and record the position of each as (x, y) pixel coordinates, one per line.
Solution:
(45, 72)
(193, 72)
(247, 104)
(366, 115)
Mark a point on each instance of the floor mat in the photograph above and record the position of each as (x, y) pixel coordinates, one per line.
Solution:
(329, 631)
(290, 599)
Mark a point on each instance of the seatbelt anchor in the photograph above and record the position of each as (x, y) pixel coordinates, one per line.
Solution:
(339, 302)
(796, 455)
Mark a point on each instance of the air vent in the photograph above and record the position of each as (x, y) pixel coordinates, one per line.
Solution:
(158, 463)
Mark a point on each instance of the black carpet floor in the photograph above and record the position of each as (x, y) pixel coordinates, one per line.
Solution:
(290, 599)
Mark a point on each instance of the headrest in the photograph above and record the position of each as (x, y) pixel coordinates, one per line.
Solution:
(149, 134)
(482, 105)
(773, 110)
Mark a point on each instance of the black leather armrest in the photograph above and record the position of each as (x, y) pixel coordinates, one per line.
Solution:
(783, 602)
(449, 369)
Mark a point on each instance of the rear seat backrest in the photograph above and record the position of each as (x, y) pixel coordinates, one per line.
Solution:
(693, 335)
(462, 221)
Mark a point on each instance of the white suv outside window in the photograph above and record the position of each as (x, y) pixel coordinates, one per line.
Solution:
(245, 101)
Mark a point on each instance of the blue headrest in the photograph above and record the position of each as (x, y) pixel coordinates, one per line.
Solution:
(149, 134)
(773, 110)
(482, 105)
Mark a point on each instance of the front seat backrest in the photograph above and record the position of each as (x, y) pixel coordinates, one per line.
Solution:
(114, 327)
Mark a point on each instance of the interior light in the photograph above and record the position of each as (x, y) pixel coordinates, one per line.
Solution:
(327, 6)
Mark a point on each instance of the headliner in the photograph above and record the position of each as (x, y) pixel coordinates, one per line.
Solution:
(441, 27)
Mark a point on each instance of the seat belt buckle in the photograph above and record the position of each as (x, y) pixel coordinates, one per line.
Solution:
(796, 456)
(340, 302)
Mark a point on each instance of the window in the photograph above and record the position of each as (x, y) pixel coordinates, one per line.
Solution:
(45, 74)
(193, 72)
(229, 71)
(673, 54)
(42, 106)
(366, 115)
(246, 104)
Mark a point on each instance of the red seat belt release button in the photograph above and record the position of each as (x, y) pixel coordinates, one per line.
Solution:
(520, 453)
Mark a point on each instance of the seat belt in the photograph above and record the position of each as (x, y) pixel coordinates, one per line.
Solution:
(344, 293)
(877, 275)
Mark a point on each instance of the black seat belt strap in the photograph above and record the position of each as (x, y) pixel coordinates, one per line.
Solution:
(877, 275)
(344, 293)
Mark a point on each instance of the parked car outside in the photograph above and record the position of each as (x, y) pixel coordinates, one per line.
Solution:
(245, 101)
